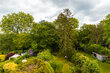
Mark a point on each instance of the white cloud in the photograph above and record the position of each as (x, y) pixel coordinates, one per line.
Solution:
(87, 11)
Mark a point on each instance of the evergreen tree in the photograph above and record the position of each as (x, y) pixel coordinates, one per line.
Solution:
(65, 28)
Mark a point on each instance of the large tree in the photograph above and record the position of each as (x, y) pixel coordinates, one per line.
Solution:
(92, 34)
(43, 35)
(106, 22)
(17, 23)
(6, 42)
(65, 28)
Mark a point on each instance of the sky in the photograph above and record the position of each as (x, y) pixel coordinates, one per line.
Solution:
(86, 11)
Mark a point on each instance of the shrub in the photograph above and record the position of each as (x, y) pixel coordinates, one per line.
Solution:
(73, 69)
(56, 65)
(18, 51)
(66, 69)
(84, 65)
(35, 65)
(10, 66)
(1, 70)
(107, 60)
(45, 55)
(86, 48)
(49, 66)
(2, 57)
(105, 51)
(95, 48)
(92, 66)
(100, 49)
(79, 59)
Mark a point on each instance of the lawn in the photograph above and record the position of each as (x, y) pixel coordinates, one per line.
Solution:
(105, 68)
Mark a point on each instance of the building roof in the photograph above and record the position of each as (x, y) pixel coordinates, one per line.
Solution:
(100, 54)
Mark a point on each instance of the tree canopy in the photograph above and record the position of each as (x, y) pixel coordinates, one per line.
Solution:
(65, 26)
(17, 23)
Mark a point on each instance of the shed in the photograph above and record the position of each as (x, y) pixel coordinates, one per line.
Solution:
(99, 56)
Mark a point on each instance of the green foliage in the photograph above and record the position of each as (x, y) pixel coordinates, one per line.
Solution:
(22, 41)
(17, 23)
(43, 36)
(45, 55)
(1, 70)
(19, 51)
(65, 27)
(84, 33)
(99, 49)
(66, 69)
(34, 66)
(6, 42)
(96, 48)
(79, 59)
(49, 66)
(10, 67)
(57, 66)
(92, 34)
(19, 59)
(34, 45)
(108, 61)
(92, 66)
(84, 64)
(106, 22)
(2, 57)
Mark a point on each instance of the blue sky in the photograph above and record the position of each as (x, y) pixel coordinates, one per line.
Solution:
(86, 11)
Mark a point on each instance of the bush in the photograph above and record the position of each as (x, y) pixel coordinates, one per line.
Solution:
(92, 66)
(95, 48)
(45, 55)
(10, 67)
(66, 69)
(79, 59)
(18, 51)
(84, 65)
(107, 60)
(1, 70)
(49, 66)
(100, 49)
(57, 66)
(35, 65)
(2, 57)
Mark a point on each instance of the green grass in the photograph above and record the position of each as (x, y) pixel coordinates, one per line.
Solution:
(104, 67)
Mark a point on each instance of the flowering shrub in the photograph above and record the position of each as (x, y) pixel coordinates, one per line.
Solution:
(2, 57)
(10, 66)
